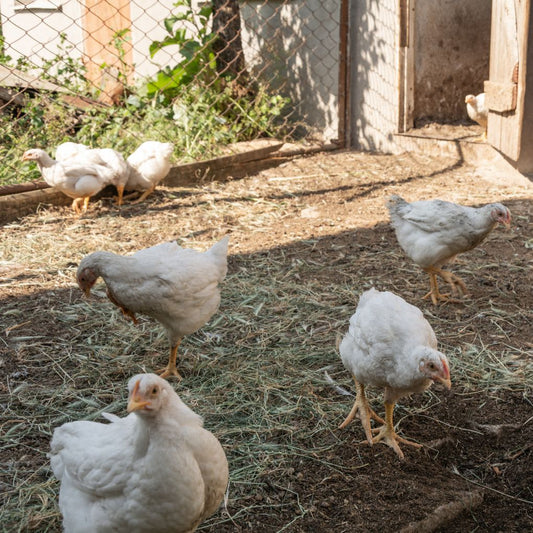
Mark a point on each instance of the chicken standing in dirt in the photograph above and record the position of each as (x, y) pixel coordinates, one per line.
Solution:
(69, 151)
(157, 469)
(390, 344)
(149, 164)
(178, 287)
(433, 232)
(80, 176)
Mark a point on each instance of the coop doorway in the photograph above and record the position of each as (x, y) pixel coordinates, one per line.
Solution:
(444, 56)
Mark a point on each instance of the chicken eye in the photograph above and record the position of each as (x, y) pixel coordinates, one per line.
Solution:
(154, 390)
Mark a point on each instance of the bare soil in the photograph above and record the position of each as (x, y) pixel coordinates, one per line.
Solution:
(328, 210)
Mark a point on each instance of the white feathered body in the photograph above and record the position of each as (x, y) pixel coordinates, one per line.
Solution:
(179, 287)
(149, 164)
(118, 173)
(139, 474)
(384, 344)
(72, 177)
(477, 109)
(69, 149)
(433, 232)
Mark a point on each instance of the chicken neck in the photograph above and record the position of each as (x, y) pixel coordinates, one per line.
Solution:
(365, 412)
(387, 434)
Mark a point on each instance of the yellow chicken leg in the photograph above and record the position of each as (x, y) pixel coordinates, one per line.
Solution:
(365, 412)
(170, 369)
(144, 195)
(387, 434)
(120, 191)
(455, 282)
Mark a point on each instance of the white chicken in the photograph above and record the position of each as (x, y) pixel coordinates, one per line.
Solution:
(390, 344)
(178, 287)
(69, 149)
(433, 232)
(150, 163)
(157, 469)
(78, 178)
(478, 111)
(81, 153)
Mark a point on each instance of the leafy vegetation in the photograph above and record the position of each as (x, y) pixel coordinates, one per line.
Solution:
(185, 104)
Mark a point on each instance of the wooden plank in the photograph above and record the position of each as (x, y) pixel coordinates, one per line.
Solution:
(406, 61)
(101, 21)
(12, 77)
(12, 97)
(507, 50)
(500, 97)
(243, 153)
(269, 153)
(344, 93)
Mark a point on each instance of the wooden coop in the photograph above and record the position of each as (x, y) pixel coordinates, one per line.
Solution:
(409, 65)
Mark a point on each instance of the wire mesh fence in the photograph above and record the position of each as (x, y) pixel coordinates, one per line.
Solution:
(202, 75)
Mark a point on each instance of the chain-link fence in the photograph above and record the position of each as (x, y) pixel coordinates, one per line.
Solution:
(114, 73)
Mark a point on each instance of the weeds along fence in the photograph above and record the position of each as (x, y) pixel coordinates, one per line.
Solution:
(115, 73)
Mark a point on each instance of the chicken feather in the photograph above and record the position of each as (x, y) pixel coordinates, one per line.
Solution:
(390, 345)
(149, 164)
(80, 176)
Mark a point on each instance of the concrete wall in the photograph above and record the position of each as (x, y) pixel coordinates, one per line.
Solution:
(373, 60)
(294, 46)
(36, 34)
(452, 49)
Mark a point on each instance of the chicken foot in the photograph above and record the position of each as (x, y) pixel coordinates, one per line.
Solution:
(455, 282)
(387, 434)
(365, 412)
(76, 204)
(170, 369)
(144, 195)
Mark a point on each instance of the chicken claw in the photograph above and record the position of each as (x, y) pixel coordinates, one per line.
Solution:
(387, 434)
(456, 283)
(170, 369)
(365, 412)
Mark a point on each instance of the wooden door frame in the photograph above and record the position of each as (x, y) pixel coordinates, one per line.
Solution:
(406, 64)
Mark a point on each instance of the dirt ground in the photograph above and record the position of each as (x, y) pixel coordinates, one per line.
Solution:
(323, 218)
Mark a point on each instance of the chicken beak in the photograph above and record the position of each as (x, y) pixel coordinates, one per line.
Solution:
(87, 292)
(136, 402)
(444, 378)
(447, 382)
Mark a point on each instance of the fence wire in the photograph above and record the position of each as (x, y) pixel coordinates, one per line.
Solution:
(114, 73)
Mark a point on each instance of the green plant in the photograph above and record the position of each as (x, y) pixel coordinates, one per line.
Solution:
(190, 32)
(64, 69)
